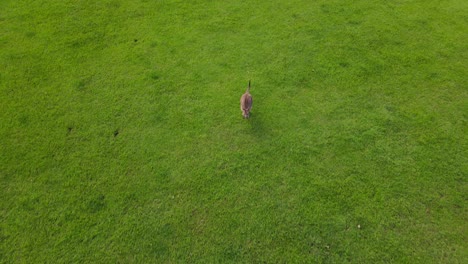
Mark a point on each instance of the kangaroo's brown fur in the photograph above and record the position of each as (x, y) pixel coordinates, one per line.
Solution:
(246, 103)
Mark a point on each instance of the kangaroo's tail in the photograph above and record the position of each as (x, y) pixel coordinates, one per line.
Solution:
(248, 89)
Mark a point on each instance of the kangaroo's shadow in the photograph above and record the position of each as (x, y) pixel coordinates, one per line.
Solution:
(257, 127)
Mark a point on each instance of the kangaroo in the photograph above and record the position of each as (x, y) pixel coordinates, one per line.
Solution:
(246, 103)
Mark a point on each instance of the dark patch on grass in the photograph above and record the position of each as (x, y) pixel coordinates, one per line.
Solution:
(69, 130)
(135, 40)
(24, 120)
(30, 34)
(160, 249)
(330, 9)
(344, 64)
(77, 44)
(30, 204)
(90, 38)
(390, 108)
(154, 76)
(81, 84)
(116, 133)
(354, 22)
(113, 5)
(324, 8)
(232, 253)
(433, 76)
(3, 238)
(96, 204)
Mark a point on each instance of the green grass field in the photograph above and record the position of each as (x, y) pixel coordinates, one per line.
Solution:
(122, 141)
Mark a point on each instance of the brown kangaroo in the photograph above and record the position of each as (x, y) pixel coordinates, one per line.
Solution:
(246, 103)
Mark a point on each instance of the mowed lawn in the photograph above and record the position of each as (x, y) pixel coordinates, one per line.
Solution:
(122, 141)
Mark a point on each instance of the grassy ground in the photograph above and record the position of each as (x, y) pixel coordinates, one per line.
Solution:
(122, 139)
